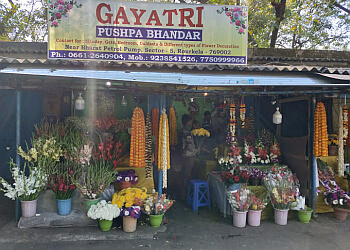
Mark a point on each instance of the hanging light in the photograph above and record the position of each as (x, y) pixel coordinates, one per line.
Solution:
(277, 116)
(79, 103)
(124, 103)
(192, 99)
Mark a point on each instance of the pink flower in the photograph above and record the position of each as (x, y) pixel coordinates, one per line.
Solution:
(228, 13)
(69, 7)
(236, 9)
(58, 15)
(238, 22)
(54, 23)
(236, 14)
(241, 30)
(244, 14)
(60, 7)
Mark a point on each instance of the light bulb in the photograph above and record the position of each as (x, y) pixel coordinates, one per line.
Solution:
(108, 83)
(124, 103)
(79, 103)
(277, 116)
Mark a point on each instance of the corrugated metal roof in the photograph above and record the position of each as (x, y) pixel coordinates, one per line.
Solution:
(189, 78)
(113, 65)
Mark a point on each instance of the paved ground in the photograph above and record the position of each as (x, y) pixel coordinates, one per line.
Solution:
(186, 230)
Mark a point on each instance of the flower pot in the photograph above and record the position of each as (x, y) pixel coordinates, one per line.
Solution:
(64, 206)
(254, 218)
(28, 208)
(105, 225)
(156, 220)
(239, 218)
(255, 182)
(89, 203)
(281, 216)
(125, 184)
(305, 216)
(129, 224)
(333, 150)
(340, 213)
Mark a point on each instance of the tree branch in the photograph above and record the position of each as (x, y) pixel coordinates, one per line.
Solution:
(336, 4)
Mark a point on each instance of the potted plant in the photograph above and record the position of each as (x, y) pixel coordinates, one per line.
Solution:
(281, 187)
(61, 179)
(256, 205)
(155, 207)
(255, 176)
(304, 212)
(105, 213)
(95, 180)
(333, 144)
(130, 216)
(126, 178)
(340, 201)
(238, 200)
(25, 188)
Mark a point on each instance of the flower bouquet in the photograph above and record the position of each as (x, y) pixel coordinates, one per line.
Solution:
(130, 216)
(256, 205)
(112, 152)
(61, 179)
(199, 136)
(155, 206)
(235, 176)
(127, 178)
(249, 155)
(256, 175)
(239, 202)
(105, 124)
(282, 188)
(95, 180)
(127, 197)
(26, 189)
(105, 213)
(263, 156)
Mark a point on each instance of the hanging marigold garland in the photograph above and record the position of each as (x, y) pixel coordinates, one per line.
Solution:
(233, 122)
(155, 132)
(163, 151)
(138, 139)
(148, 151)
(346, 123)
(172, 127)
(320, 146)
(242, 112)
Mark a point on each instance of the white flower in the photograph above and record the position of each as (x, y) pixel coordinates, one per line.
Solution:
(341, 202)
(335, 202)
(127, 179)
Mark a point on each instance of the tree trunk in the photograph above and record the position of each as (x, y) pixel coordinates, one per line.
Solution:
(280, 9)
(274, 36)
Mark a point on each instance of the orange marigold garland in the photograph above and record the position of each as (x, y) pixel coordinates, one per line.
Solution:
(233, 122)
(172, 127)
(148, 152)
(155, 132)
(320, 146)
(138, 139)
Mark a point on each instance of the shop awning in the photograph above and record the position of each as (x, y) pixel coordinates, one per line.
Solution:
(188, 78)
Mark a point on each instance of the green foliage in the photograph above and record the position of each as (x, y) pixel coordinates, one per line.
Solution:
(23, 20)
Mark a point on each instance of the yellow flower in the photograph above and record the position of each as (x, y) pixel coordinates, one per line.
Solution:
(128, 204)
(143, 196)
(119, 204)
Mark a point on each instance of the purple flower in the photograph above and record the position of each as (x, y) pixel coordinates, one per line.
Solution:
(238, 22)
(236, 14)
(69, 7)
(228, 13)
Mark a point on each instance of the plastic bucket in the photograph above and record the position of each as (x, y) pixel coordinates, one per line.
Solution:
(64, 207)
(254, 218)
(156, 220)
(28, 208)
(281, 216)
(239, 219)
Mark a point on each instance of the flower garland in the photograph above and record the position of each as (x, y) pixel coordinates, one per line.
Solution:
(138, 139)
(251, 120)
(233, 122)
(148, 152)
(155, 132)
(164, 152)
(320, 146)
(172, 127)
(345, 123)
(242, 111)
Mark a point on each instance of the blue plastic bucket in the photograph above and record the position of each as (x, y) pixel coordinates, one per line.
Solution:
(64, 207)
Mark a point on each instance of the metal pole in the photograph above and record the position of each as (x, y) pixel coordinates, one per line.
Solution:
(18, 143)
(313, 194)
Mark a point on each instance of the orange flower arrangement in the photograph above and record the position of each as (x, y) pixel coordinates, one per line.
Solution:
(138, 139)
(320, 146)
(172, 127)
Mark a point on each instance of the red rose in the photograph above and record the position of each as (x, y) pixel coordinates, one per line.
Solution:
(236, 178)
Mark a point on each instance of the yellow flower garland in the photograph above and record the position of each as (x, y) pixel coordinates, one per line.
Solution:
(173, 128)
(320, 146)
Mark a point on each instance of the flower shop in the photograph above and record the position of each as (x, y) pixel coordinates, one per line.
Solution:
(112, 145)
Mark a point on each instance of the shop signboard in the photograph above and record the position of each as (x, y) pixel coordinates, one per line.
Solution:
(147, 32)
